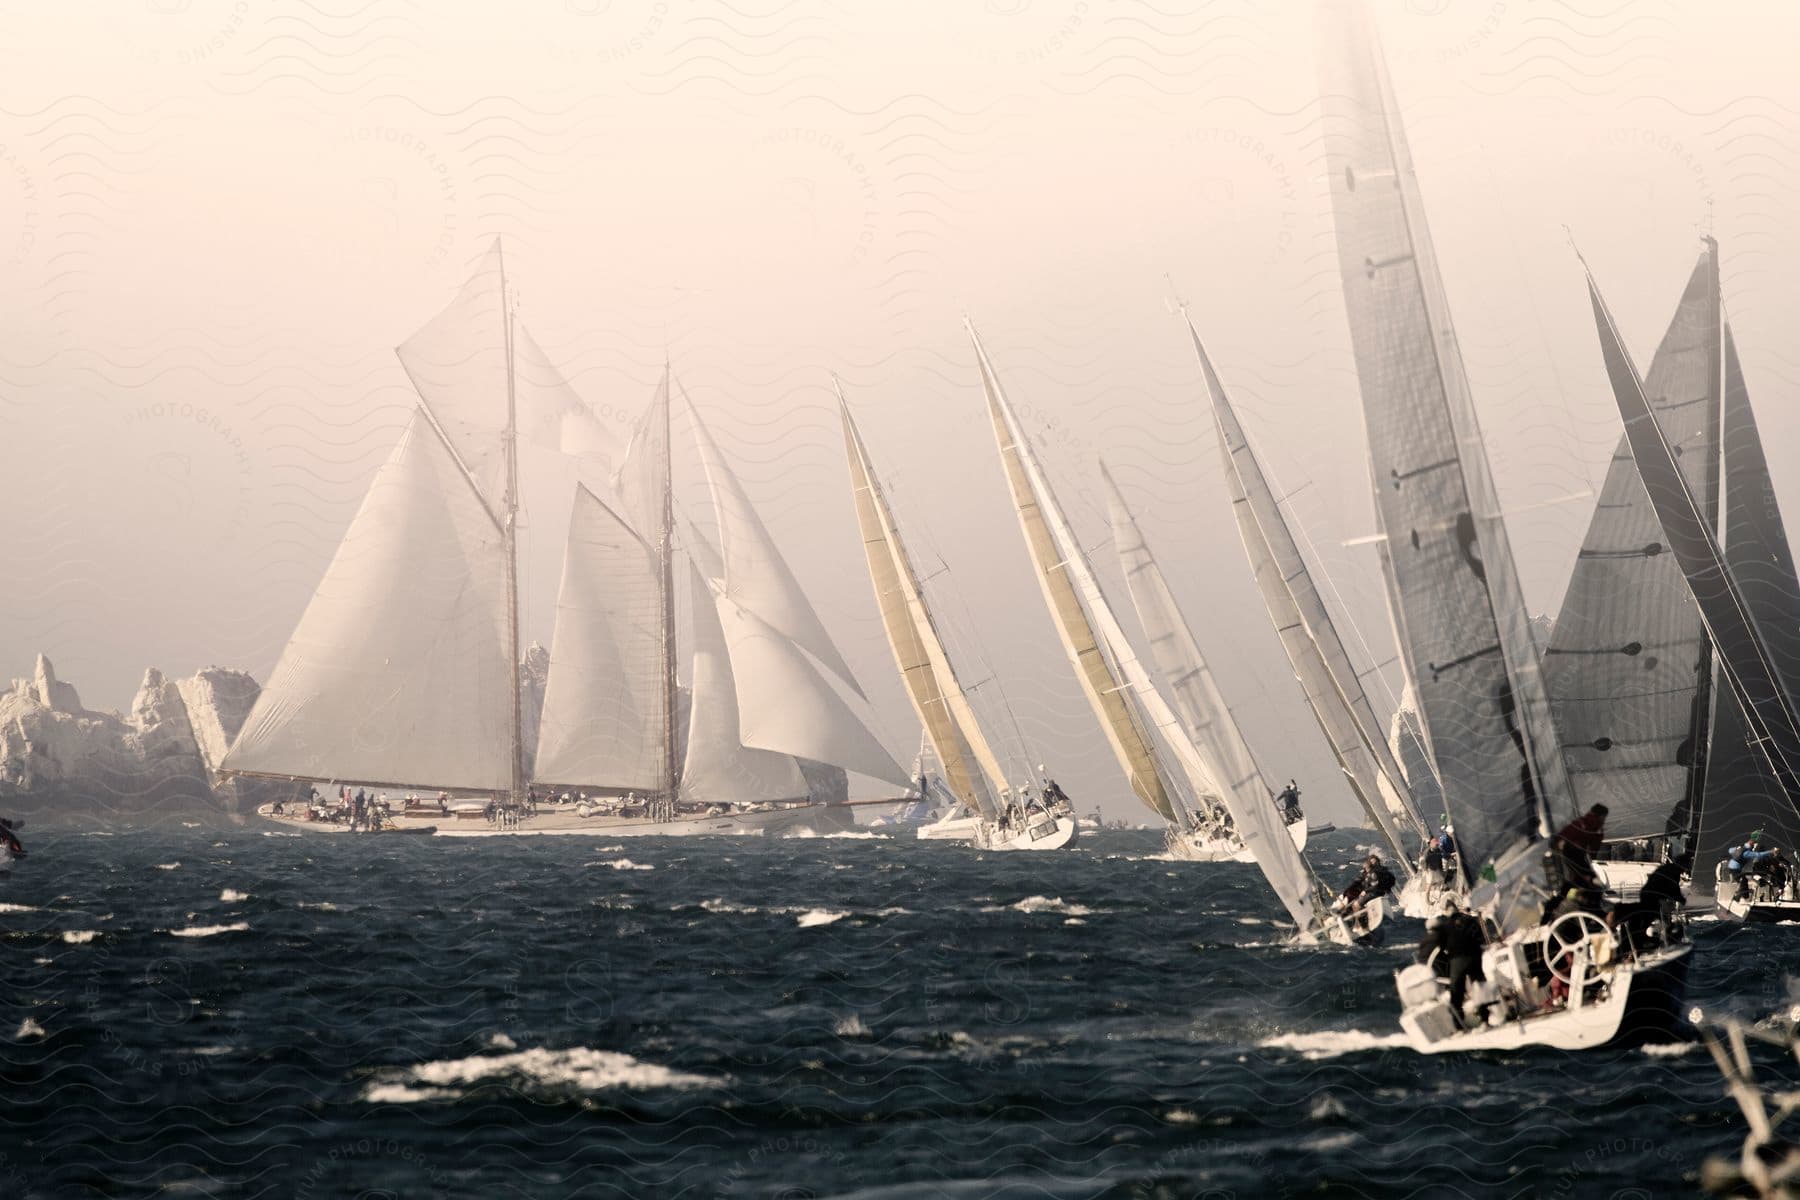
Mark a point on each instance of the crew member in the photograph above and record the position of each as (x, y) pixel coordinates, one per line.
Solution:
(1289, 799)
(1456, 938)
(1373, 881)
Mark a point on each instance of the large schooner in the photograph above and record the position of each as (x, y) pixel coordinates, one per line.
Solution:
(1684, 605)
(404, 671)
(1003, 819)
(1559, 978)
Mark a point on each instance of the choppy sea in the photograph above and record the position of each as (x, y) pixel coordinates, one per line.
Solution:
(233, 1011)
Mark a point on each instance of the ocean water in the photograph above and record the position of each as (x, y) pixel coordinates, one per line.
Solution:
(231, 1012)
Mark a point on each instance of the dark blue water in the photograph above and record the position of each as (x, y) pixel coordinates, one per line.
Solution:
(533, 1017)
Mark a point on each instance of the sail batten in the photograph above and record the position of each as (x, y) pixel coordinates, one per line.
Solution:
(1761, 693)
(1460, 611)
(1629, 662)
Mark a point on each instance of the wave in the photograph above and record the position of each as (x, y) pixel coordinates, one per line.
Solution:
(1334, 1043)
(819, 916)
(79, 937)
(622, 864)
(578, 1068)
(1042, 904)
(200, 931)
(232, 896)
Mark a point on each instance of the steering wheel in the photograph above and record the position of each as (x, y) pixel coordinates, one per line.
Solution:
(1563, 935)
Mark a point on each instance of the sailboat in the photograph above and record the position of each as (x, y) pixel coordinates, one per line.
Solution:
(971, 770)
(1721, 761)
(1207, 721)
(1320, 660)
(1464, 632)
(404, 671)
(1118, 689)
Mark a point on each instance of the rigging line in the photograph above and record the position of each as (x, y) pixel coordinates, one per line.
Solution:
(1309, 556)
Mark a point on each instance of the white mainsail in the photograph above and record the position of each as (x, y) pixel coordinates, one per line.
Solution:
(398, 671)
(948, 719)
(756, 575)
(1206, 718)
(603, 721)
(785, 704)
(1115, 683)
(1461, 613)
(719, 768)
(472, 357)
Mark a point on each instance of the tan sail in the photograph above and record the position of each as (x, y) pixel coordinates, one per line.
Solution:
(1106, 692)
(925, 668)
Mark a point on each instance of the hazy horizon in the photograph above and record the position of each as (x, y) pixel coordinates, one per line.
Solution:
(218, 221)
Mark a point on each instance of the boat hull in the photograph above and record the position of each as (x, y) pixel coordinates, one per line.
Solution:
(779, 822)
(1056, 833)
(958, 829)
(1643, 1005)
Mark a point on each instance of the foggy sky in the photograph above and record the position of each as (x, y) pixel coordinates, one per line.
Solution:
(217, 217)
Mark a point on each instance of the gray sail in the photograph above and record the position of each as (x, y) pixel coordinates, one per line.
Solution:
(1744, 656)
(1743, 793)
(1461, 614)
(1315, 649)
(1629, 663)
(1207, 719)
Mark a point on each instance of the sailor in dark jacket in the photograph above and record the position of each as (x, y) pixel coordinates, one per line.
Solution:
(1372, 881)
(1456, 938)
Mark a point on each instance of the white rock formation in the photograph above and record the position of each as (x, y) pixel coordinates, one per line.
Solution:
(58, 757)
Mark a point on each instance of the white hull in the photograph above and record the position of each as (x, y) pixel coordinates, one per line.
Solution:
(1761, 903)
(1045, 833)
(565, 821)
(1352, 930)
(1623, 877)
(1609, 1002)
(1194, 846)
(954, 829)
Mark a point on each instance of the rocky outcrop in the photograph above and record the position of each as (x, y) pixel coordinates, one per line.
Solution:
(58, 758)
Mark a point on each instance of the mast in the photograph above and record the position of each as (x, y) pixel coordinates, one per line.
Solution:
(666, 550)
(511, 531)
(1705, 695)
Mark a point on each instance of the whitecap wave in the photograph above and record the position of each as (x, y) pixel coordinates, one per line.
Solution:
(1043, 904)
(578, 1068)
(1334, 1043)
(174, 866)
(6, 908)
(79, 937)
(819, 916)
(851, 1027)
(28, 1028)
(199, 931)
(232, 895)
(622, 864)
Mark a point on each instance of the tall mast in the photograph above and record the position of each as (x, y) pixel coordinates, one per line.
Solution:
(1705, 696)
(512, 542)
(666, 548)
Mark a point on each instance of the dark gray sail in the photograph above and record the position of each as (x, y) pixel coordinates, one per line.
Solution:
(1743, 793)
(1744, 656)
(1629, 663)
(1461, 613)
